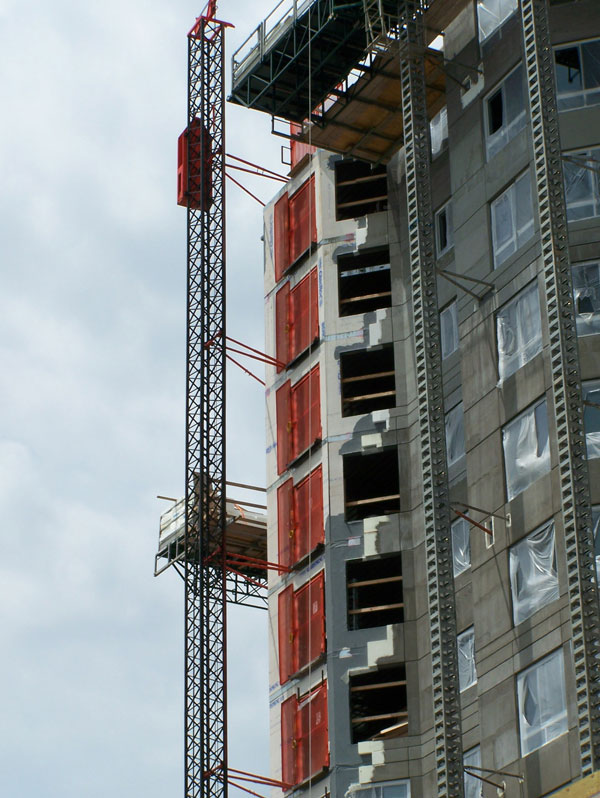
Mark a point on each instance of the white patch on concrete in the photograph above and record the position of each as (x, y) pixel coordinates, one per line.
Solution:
(476, 87)
(381, 416)
(345, 653)
(372, 439)
(377, 649)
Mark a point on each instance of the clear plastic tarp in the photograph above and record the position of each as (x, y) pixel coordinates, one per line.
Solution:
(455, 434)
(492, 13)
(526, 449)
(467, 673)
(473, 785)
(438, 129)
(519, 331)
(596, 528)
(444, 230)
(578, 75)
(461, 546)
(591, 417)
(505, 112)
(449, 329)
(582, 187)
(512, 219)
(542, 703)
(533, 575)
(586, 293)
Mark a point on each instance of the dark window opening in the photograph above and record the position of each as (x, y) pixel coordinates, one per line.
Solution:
(371, 484)
(378, 704)
(568, 69)
(364, 282)
(368, 380)
(359, 189)
(495, 112)
(374, 590)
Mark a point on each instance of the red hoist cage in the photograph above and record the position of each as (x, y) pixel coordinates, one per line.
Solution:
(207, 565)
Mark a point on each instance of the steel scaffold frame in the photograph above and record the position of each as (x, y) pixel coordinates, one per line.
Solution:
(566, 381)
(204, 573)
(436, 507)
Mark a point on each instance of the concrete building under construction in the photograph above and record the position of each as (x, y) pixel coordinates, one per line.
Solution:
(432, 284)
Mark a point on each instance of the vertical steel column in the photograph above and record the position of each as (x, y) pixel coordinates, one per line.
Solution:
(440, 582)
(205, 576)
(566, 383)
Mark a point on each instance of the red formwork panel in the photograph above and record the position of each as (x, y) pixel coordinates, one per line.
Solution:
(281, 236)
(312, 741)
(288, 740)
(306, 412)
(309, 622)
(284, 426)
(308, 514)
(298, 149)
(194, 185)
(304, 314)
(285, 523)
(286, 634)
(302, 220)
(282, 325)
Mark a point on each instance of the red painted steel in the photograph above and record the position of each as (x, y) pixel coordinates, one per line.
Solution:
(304, 314)
(286, 633)
(282, 325)
(194, 183)
(309, 622)
(288, 740)
(281, 236)
(306, 412)
(285, 523)
(298, 149)
(308, 514)
(312, 745)
(302, 220)
(284, 426)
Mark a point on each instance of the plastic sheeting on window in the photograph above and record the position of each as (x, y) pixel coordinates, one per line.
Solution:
(577, 70)
(533, 576)
(526, 449)
(392, 789)
(449, 329)
(455, 434)
(461, 546)
(586, 293)
(542, 702)
(505, 112)
(473, 785)
(467, 673)
(582, 191)
(492, 13)
(438, 129)
(596, 529)
(519, 331)
(512, 219)
(591, 417)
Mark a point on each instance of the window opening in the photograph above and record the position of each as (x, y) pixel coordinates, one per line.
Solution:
(455, 434)
(519, 331)
(505, 112)
(542, 702)
(467, 672)
(444, 230)
(526, 449)
(438, 131)
(473, 785)
(533, 574)
(378, 703)
(371, 484)
(364, 282)
(586, 293)
(491, 14)
(385, 789)
(359, 189)
(461, 546)
(512, 219)
(577, 69)
(449, 329)
(582, 184)
(596, 531)
(368, 380)
(374, 592)
(591, 417)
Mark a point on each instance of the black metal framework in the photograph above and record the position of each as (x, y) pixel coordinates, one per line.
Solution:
(204, 564)
(566, 382)
(436, 506)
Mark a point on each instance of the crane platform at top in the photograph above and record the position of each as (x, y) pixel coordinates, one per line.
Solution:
(332, 66)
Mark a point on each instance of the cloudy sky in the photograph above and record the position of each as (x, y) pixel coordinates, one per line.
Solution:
(92, 341)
